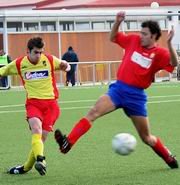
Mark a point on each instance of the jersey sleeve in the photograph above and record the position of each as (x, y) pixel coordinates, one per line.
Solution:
(169, 68)
(123, 39)
(165, 61)
(56, 62)
(9, 69)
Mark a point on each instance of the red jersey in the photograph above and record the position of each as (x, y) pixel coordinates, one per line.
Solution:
(140, 64)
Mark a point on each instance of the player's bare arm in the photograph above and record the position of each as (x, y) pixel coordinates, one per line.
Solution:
(173, 54)
(119, 18)
(64, 66)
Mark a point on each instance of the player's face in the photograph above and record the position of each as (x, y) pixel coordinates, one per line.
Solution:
(35, 54)
(147, 38)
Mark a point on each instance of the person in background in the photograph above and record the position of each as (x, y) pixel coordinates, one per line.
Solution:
(142, 59)
(4, 60)
(71, 57)
(36, 71)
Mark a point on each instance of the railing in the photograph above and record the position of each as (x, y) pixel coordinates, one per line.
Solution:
(94, 73)
(162, 76)
(87, 73)
(99, 72)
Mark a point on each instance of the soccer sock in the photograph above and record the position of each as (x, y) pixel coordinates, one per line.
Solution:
(30, 161)
(79, 129)
(37, 145)
(161, 150)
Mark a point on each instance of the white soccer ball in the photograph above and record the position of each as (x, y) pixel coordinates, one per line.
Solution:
(124, 143)
(154, 5)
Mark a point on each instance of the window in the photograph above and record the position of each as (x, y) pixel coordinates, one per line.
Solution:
(139, 25)
(1, 27)
(48, 26)
(14, 26)
(98, 25)
(169, 17)
(109, 24)
(31, 26)
(162, 24)
(66, 25)
(82, 26)
(130, 25)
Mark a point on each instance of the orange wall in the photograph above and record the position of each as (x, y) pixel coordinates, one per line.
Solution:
(18, 43)
(90, 46)
(95, 46)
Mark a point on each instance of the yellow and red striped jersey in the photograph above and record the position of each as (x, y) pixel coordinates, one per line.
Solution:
(38, 79)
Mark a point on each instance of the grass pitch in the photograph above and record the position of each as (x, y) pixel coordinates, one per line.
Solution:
(92, 161)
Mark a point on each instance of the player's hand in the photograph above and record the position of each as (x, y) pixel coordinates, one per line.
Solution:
(65, 66)
(120, 16)
(170, 34)
(68, 68)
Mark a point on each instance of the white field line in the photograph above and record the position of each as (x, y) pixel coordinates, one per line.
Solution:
(87, 107)
(60, 102)
(84, 101)
(67, 108)
(164, 96)
(163, 101)
(154, 85)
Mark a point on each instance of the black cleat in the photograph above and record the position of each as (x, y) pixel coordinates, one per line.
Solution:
(16, 170)
(173, 163)
(62, 141)
(40, 165)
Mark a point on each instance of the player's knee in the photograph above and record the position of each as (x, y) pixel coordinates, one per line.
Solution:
(35, 125)
(36, 130)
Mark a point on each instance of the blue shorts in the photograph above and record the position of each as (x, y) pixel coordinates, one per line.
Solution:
(133, 100)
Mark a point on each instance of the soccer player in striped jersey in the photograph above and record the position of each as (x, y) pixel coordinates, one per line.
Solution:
(36, 71)
(142, 59)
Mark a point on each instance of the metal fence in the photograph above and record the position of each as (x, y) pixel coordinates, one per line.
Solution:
(94, 73)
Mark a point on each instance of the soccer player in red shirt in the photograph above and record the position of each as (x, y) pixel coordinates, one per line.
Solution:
(142, 59)
(36, 71)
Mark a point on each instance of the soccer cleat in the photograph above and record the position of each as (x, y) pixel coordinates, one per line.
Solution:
(40, 165)
(62, 141)
(172, 162)
(16, 170)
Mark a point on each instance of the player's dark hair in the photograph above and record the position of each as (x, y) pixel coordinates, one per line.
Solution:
(153, 27)
(35, 42)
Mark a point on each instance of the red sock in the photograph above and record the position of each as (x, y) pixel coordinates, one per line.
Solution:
(161, 150)
(79, 129)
